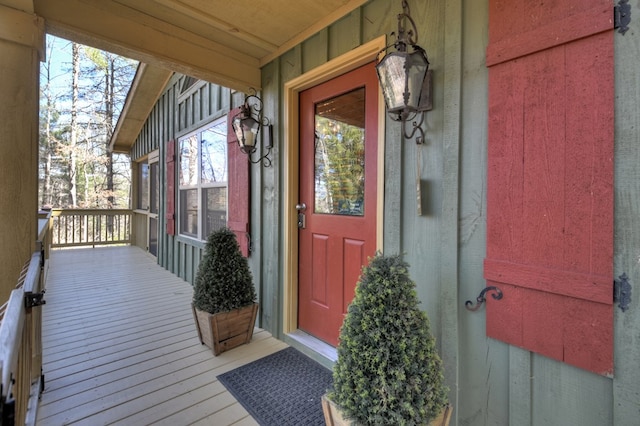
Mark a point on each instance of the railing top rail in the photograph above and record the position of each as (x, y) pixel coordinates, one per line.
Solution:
(32, 282)
(43, 224)
(10, 335)
(13, 321)
(61, 212)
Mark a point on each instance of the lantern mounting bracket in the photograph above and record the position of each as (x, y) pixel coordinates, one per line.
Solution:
(417, 118)
(405, 77)
(246, 125)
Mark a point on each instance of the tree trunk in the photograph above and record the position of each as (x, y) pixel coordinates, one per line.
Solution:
(109, 124)
(47, 140)
(73, 186)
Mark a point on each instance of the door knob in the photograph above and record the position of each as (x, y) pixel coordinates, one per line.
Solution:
(301, 207)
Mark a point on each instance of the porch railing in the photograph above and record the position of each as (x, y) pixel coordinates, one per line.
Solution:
(90, 227)
(21, 340)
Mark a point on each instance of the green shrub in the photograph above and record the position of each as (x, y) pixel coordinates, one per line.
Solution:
(388, 371)
(224, 281)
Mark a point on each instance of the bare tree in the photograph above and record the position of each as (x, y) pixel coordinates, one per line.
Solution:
(52, 133)
(114, 74)
(73, 185)
(77, 169)
(46, 140)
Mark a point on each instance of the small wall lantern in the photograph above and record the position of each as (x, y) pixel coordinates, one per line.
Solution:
(246, 125)
(405, 77)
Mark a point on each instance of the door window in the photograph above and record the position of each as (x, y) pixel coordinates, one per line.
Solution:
(339, 154)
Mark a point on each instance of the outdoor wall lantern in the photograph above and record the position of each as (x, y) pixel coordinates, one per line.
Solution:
(405, 77)
(246, 125)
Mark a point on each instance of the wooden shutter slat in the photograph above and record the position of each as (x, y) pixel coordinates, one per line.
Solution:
(573, 27)
(562, 282)
(241, 226)
(571, 330)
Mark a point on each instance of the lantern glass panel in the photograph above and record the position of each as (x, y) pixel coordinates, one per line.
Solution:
(418, 66)
(391, 73)
(399, 72)
(237, 128)
(246, 131)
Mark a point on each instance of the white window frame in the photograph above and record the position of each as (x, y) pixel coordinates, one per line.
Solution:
(199, 185)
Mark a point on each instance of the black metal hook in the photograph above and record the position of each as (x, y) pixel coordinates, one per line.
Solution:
(497, 295)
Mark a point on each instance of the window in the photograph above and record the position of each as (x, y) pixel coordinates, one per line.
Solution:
(154, 192)
(203, 180)
(143, 186)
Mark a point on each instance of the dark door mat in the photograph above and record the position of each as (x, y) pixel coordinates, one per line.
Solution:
(284, 388)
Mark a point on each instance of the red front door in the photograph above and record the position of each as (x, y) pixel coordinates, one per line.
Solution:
(338, 165)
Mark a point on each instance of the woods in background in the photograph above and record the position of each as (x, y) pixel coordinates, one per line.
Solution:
(82, 93)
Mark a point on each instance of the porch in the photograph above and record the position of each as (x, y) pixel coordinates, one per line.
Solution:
(120, 346)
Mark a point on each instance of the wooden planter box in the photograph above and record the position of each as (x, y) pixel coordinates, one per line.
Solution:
(225, 330)
(333, 415)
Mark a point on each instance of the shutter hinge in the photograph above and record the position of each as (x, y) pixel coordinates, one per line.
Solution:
(622, 16)
(622, 292)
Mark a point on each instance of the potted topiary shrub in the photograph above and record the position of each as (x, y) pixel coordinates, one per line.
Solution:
(388, 371)
(224, 298)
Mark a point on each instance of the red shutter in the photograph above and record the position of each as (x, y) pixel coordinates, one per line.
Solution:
(550, 179)
(171, 193)
(238, 188)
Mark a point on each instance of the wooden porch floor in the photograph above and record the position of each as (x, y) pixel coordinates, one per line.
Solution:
(120, 346)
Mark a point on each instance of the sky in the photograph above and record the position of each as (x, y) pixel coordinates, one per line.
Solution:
(59, 56)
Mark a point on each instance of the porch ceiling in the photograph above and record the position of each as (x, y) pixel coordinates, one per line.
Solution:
(221, 41)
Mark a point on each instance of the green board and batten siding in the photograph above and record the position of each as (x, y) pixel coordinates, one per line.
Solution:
(626, 385)
(491, 383)
(174, 115)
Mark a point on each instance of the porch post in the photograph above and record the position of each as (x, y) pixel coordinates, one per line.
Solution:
(21, 45)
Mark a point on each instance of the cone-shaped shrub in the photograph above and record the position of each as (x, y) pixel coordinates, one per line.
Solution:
(223, 281)
(388, 371)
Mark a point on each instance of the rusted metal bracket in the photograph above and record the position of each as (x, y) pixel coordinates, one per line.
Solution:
(497, 295)
(622, 16)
